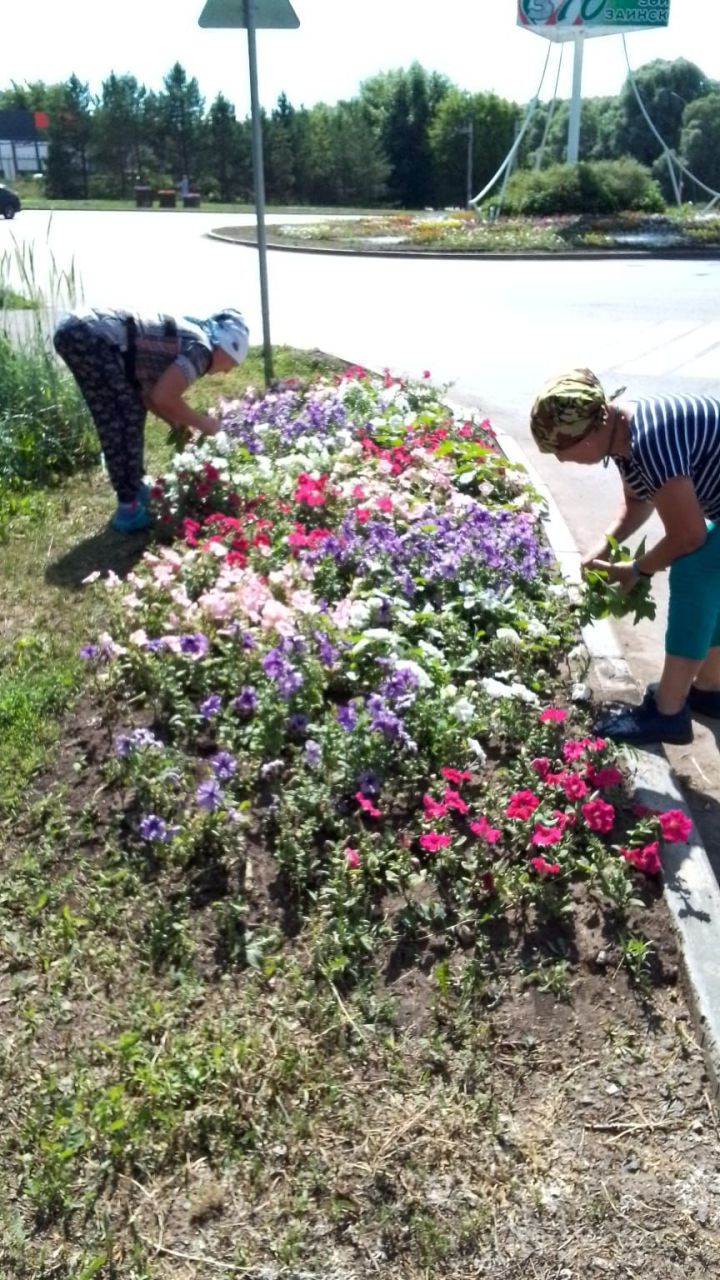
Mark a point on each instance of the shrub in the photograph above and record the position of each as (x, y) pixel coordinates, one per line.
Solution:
(604, 186)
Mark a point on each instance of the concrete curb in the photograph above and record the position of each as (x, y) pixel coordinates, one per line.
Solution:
(412, 255)
(690, 887)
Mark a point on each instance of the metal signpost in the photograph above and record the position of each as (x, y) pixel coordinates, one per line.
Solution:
(576, 20)
(252, 16)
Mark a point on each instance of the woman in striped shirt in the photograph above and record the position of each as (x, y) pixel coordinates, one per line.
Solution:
(667, 450)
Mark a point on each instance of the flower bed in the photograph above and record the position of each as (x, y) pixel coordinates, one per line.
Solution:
(350, 665)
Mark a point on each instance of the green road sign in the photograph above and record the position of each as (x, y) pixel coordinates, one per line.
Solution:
(564, 19)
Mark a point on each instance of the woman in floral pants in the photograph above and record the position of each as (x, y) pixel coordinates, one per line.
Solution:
(126, 365)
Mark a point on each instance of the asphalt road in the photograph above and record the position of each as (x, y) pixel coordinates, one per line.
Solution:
(494, 329)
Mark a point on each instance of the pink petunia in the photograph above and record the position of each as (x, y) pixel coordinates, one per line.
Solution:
(573, 786)
(552, 715)
(573, 749)
(675, 826)
(543, 836)
(545, 868)
(482, 829)
(385, 505)
(454, 800)
(598, 816)
(609, 776)
(541, 766)
(522, 804)
(367, 805)
(363, 514)
(352, 859)
(456, 775)
(564, 820)
(646, 859)
(433, 808)
(434, 840)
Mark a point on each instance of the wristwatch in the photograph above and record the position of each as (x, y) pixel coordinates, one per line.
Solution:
(638, 572)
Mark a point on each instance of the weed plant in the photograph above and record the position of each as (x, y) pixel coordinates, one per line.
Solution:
(45, 429)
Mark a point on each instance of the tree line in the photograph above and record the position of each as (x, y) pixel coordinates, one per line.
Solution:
(409, 138)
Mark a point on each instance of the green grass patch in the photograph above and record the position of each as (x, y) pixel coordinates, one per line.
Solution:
(12, 301)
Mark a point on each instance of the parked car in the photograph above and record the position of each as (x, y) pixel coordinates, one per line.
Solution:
(9, 202)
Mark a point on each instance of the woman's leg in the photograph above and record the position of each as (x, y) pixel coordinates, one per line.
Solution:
(115, 404)
(693, 630)
(708, 677)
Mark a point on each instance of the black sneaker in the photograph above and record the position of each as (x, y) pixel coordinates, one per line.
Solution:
(706, 702)
(645, 724)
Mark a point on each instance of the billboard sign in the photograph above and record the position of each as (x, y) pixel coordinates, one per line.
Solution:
(564, 19)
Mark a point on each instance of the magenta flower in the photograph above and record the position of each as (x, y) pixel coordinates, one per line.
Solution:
(522, 804)
(454, 800)
(675, 826)
(598, 816)
(352, 859)
(456, 775)
(433, 808)
(607, 777)
(544, 868)
(574, 787)
(646, 859)
(543, 836)
(552, 715)
(434, 840)
(366, 805)
(482, 829)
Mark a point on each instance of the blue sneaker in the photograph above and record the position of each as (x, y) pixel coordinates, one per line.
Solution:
(642, 725)
(131, 517)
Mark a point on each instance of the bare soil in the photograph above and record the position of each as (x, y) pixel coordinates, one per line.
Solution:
(553, 1120)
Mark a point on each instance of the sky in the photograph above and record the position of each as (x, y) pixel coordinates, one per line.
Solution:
(339, 43)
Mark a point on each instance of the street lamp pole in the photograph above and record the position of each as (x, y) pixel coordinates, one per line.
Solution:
(259, 181)
(253, 15)
(469, 169)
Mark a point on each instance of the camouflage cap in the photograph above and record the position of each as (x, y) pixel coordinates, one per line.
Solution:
(567, 407)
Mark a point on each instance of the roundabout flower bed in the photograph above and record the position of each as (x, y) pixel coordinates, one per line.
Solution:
(348, 663)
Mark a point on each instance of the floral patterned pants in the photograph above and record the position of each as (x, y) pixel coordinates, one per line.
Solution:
(114, 402)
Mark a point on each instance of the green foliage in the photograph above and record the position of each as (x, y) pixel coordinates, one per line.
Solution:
(700, 139)
(603, 599)
(36, 684)
(666, 88)
(45, 430)
(605, 186)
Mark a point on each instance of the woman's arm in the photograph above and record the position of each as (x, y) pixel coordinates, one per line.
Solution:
(166, 401)
(685, 531)
(631, 515)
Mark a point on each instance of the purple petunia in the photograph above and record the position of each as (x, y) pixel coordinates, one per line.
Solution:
(210, 706)
(328, 653)
(223, 765)
(142, 738)
(245, 702)
(195, 645)
(208, 795)
(313, 753)
(347, 716)
(297, 722)
(89, 651)
(154, 828)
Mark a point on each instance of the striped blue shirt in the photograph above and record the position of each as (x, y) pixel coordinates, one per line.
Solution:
(675, 436)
